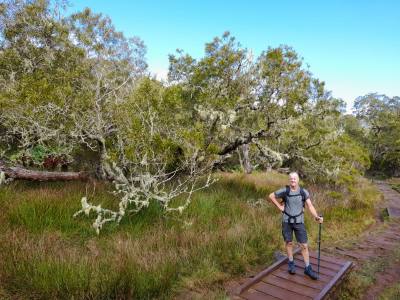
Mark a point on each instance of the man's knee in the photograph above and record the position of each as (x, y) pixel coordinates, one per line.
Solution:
(303, 246)
(289, 244)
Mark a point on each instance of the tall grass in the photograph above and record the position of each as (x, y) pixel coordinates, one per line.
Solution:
(226, 231)
(358, 282)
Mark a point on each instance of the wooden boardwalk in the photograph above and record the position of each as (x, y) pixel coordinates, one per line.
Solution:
(393, 212)
(276, 283)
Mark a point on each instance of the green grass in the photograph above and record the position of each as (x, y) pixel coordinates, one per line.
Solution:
(358, 282)
(396, 187)
(391, 293)
(228, 230)
(395, 183)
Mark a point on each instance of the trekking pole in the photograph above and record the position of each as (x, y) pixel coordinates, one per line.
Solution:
(319, 244)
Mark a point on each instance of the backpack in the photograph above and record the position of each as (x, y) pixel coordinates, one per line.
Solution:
(286, 198)
(302, 193)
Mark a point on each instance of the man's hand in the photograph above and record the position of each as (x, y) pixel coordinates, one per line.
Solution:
(319, 219)
(280, 206)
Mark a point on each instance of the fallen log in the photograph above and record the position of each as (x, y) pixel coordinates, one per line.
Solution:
(34, 175)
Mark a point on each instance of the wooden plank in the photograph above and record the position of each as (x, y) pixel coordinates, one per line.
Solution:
(291, 285)
(322, 270)
(278, 292)
(323, 278)
(252, 294)
(393, 212)
(276, 283)
(263, 273)
(382, 242)
(325, 264)
(315, 284)
(334, 280)
(382, 247)
(392, 231)
(355, 255)
(391, 239)
(329, 259)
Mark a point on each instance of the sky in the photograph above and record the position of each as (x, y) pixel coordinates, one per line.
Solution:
(353, 45)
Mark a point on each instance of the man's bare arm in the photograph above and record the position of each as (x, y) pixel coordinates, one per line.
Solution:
(277, 204)
(313, 211)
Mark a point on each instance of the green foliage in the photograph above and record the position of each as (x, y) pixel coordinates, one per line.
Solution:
(54, 71)
(380, 116)
(74, 84)
(391, 293)
(396, 187)
(37, 155)
(319, 149)
(89, 91)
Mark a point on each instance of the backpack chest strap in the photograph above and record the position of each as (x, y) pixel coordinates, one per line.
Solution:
(294, 218)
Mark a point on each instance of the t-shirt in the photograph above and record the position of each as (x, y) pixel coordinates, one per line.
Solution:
(294, 205)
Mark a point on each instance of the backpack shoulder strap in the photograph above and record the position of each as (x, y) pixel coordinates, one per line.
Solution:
(303, 195)
(286, 193)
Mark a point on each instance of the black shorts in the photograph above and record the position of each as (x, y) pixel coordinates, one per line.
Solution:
(299, 231)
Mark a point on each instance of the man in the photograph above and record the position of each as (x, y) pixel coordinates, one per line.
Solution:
(294, 199)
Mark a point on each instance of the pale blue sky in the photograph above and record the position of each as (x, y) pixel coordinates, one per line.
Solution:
(354, 46)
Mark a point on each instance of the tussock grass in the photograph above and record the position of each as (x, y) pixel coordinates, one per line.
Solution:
(394, 180)
(356, 283)
(391, 293)
(395, 183)
(227, 230)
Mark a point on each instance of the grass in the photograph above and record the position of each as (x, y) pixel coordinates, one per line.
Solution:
(227, 230)
(396, 187)
(395, 183)
(391, 293)
(356, 283)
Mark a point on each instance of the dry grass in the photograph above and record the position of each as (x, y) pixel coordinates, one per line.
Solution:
(228, 229)
(394, 180)
(261, 180)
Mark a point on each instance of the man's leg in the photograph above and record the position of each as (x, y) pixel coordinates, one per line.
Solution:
(301, 236)
(305, 253)
(289, 250)
(291, 264)
(287, 233)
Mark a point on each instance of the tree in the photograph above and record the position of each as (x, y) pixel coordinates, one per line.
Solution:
(380, 116)
(77, 84)
(240, 101)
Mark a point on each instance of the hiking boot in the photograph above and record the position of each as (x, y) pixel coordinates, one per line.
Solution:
(292, 267)
(310, 273)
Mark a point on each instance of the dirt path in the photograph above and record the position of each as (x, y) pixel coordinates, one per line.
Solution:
(379, 242)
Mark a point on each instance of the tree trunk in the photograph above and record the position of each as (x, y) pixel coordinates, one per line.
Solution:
(25, 174)
(248, 168)
(240, 158)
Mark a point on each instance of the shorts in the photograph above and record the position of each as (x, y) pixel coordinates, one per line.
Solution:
(299, 231)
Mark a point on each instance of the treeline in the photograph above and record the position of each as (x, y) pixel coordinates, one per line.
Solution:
(76, 94)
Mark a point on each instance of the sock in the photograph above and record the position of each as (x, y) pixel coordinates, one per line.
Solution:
(291, 259)
(307, 263)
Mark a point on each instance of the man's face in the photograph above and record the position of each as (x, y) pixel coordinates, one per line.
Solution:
(294, 181)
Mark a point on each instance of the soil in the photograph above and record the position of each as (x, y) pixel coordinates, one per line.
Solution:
(383, 242)
(379, 242)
